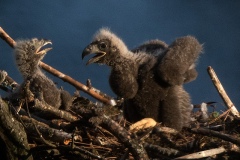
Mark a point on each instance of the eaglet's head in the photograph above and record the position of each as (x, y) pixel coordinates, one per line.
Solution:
(31, 49)
(106, 46)
(28, 53)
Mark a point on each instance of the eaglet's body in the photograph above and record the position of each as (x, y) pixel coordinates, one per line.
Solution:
(149, 78)
(146, 95)
(28, 54)
(43, 85)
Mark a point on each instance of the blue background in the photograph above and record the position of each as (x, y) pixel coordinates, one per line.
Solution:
(71, 24)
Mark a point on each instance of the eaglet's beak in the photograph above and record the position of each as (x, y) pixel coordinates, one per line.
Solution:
(93, 49)
(40, 50)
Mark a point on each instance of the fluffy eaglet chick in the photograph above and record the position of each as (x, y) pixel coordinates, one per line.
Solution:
(28, 54)
(150, 78)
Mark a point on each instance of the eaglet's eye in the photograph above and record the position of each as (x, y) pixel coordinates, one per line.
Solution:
(102, 46)
(32, 48)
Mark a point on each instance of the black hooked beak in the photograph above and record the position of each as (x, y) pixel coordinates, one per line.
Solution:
(93, 49)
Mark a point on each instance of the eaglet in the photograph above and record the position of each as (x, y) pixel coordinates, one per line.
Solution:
(28, 54)
(150, 78)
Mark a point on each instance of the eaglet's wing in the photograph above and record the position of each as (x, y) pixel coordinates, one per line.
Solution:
(177, 61)
(154, 47)
(178, 64)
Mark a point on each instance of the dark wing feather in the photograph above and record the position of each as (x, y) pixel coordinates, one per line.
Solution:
(174, 56)
(178, 64)
(154, 47)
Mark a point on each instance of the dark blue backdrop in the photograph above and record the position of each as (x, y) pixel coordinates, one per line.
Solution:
(71, 25)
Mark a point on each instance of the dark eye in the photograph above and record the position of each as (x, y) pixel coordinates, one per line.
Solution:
(32, 48)
(102, 46)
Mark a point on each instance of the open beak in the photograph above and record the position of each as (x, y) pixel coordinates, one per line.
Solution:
(41, 50)
(93, 49)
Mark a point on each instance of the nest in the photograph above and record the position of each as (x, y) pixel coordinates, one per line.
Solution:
(98, 130)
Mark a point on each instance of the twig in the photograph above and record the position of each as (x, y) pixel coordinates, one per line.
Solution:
(166, 130)
(7, 38)
(80, 150)
(29, 97)
(38, 132)
(222, 136)
(7, 83)
(91, 91)
(203, 154)
(122, 134)
(222, 92)
(49, 133)
(3, 75)
(219, 117)
(41, 105)
(88, 155)
(161, 150)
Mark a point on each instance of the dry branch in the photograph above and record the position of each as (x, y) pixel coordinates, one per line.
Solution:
(123, 135)
(204, 154)
(42, 106)
(161, 150)
(208, 132)
(91, 91)
(6, 82)
(166, 130)
(222, 92)
(13, 134)
(48, 133)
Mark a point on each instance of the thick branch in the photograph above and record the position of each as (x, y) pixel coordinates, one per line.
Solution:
(161, 150)
(203, 154)
(7, 38)
(222, 136)
(122, 134)
(91, 91)
(222, 92)
(84, 88)
(41, 105)
(12, 133)
(48, 133)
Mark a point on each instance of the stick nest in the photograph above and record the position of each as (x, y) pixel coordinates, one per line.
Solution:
(31, 129)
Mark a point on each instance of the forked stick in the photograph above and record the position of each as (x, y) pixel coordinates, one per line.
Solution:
(222, 92)
(91, 91)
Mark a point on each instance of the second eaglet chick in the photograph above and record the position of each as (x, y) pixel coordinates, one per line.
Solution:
(28, 54)
(150, 78)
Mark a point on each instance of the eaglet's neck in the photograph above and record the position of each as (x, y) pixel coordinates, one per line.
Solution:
(121, 62)
(30, 70)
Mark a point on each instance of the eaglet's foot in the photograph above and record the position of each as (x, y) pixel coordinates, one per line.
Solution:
(142, 124)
